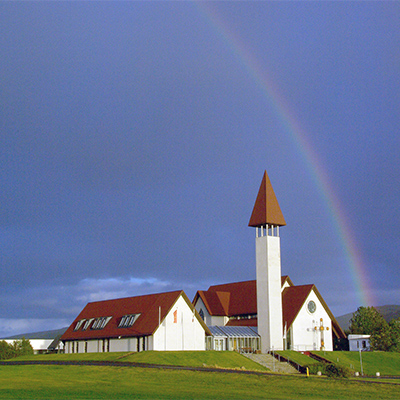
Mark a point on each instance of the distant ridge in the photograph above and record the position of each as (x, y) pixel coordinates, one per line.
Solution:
(388, 313)
(39, 335)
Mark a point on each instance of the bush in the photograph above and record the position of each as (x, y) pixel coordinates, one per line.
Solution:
(314, 368)
(337, 371)
(20, 347)
(331, 370)
(6, 351)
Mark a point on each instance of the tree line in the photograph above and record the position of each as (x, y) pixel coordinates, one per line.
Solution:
(369, 321)
(17, 348)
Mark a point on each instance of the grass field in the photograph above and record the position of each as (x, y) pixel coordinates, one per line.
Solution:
(108, 382)
(218, 359)
(87, 382)
(373, 362)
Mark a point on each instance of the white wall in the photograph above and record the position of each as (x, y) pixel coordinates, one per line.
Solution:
(210, 320)
(359, 342)
(304, 336)
(180, 330)
(269, 296)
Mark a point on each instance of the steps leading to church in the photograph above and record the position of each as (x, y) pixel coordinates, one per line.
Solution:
(267, 360)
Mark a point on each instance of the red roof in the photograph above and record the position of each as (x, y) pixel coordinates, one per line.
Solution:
(152, 309)
(293, 299)
(240, 298)
(266, 208)
(232, 299)
(242, 322)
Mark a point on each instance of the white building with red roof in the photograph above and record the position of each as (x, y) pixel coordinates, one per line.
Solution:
(162, 321)
(307, 322)
(286, 316)
(266, 314)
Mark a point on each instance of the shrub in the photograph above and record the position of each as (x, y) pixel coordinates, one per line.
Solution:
(22, 347)
(337, 371)
(6, 350)
(314, 368)
(331, 370)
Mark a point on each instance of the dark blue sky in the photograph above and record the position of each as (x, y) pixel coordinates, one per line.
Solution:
(134, 136)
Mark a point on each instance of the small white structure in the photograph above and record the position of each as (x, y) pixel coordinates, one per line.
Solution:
(359, 342)
(163, 321)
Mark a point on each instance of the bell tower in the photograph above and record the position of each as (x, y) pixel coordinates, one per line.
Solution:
(267, 217)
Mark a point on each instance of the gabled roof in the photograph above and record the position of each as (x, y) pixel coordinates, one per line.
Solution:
(266, 208)
(228, 299)
(153, 308)
(293, 299)
(242, 301)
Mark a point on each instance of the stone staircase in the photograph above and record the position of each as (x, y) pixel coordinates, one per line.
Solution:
(267, 360)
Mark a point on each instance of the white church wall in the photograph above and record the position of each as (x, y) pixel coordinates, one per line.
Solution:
(210, 320)
(306, 331)
(202, 310)
(123, 344)
(180, 330)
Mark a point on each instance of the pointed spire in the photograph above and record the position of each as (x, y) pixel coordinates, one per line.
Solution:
(266, 208)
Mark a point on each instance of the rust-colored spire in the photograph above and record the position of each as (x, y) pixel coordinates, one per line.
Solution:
(266, 208)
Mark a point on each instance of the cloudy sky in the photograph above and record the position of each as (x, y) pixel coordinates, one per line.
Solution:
(134, 136)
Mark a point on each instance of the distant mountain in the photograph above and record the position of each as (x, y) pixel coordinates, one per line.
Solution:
(387, 312)
(40, 335)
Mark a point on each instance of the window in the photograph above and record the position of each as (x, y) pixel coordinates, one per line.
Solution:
(100, 323)
(87, 323)
(201, 313)
(79, 324)
(128, 320)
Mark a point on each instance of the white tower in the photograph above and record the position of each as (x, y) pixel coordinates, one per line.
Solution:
(267, 217)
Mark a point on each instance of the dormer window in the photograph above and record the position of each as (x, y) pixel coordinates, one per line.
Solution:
(128, 320)
(87, 323)
(79, 324)
(100, 323)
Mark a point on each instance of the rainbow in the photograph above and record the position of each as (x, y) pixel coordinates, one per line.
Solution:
(286, 116)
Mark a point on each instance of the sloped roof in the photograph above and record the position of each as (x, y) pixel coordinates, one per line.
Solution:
(228, 299)
(152, 309)
(266, 208)
(243, 322)
(243, 301)
(234, 331)
(293, 298)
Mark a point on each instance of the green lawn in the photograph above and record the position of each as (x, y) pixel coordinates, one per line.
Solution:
(218, 359)
(87, 382)
(387, 363)
(297, 357)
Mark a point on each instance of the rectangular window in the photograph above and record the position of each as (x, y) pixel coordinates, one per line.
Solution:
(128, 320)
(101, 322)
(87, 323)
(79, 324)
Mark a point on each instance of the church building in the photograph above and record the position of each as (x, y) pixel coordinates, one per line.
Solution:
(162, 321)
(262, 315)
(285, 316)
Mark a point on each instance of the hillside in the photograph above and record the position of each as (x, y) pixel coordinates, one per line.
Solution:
(388, 312)
(39, 335)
